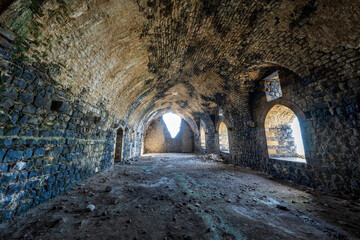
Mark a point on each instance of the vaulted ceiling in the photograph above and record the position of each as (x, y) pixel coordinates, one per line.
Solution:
(136, 57)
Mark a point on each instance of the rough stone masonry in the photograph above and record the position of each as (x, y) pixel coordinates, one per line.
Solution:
(75, 72)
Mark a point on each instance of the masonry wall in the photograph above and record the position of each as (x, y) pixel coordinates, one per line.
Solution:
(280, 142)
(328, 112)
(49, 139)
(158, 139)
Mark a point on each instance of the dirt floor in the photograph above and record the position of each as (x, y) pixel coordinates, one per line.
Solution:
(184, 196)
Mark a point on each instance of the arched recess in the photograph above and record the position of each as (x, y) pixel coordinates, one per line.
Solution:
(282, 138)
(223, 130)
(158, 139)
(119, 145)
(207, 125)
(202, 135)
(223, 138)
(143, 123)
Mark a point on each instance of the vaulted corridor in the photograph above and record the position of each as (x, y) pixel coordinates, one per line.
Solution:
(183, 196)
(88, 88)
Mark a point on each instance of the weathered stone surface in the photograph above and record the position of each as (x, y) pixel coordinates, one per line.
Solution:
(120, 63)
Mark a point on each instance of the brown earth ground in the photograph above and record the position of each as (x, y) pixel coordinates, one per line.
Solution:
(184, 196)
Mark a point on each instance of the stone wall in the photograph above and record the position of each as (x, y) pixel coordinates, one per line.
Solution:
(328, 112)
(280, 142)
(157, 138)
(49, 139)
(279, 135)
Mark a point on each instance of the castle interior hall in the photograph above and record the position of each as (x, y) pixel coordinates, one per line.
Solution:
(180, 120)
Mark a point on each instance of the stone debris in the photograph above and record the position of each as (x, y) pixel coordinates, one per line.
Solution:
(282, 207)
(211, 158)
(143, 212)
(91, 207)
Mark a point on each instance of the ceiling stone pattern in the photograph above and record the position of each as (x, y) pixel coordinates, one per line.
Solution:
(137, 57)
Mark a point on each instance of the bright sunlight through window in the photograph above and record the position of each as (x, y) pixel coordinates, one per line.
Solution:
(295, 126)
(172, 122)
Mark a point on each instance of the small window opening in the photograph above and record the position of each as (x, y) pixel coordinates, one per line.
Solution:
(283, 135)
(172, 122)
(97, 119)
(223, 137)
(202, 135)
(202, 138)
(272, 87)
(221, 112)
(56, 105)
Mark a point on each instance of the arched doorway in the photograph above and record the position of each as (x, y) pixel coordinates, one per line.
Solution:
(223, 138)
(164, 135)
(283, 134)
(119, 145)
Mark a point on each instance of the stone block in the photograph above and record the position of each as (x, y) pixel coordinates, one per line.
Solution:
(6, 102)
(4, 118)
(26, 97)
(23, 176)
(5, 201)
(7, 34)
(6, 79)
(39, 101)
(24, 119)
(39, 152)
(29, 109)
(13, 155)
(19, 83)
(28, 153)
(5, 54)
(14, 188)
(8, 92)
(14, 118)
(20, 166)
(33, 173)
(4, 167)
(29, 76)
(6, 178)
(13, 131)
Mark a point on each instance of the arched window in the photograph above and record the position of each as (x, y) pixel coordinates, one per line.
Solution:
(118, 146)
(173, 123)
(202, 135)
(223, 138)
(283, 134)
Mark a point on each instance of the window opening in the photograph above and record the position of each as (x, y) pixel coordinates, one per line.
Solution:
(283, 135)
(272, 87)
(223, 138)
(202, 134)
(172, 122)
(56, 105)
(221, 112)
(202, 137)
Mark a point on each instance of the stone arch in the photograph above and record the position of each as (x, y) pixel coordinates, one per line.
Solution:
(143, 123)
(119, 144)
(157, 138)
(280, 138)
(202, 135)
(210, 133)
(223, 137)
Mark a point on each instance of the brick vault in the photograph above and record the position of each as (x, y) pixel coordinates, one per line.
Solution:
(76, 75)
